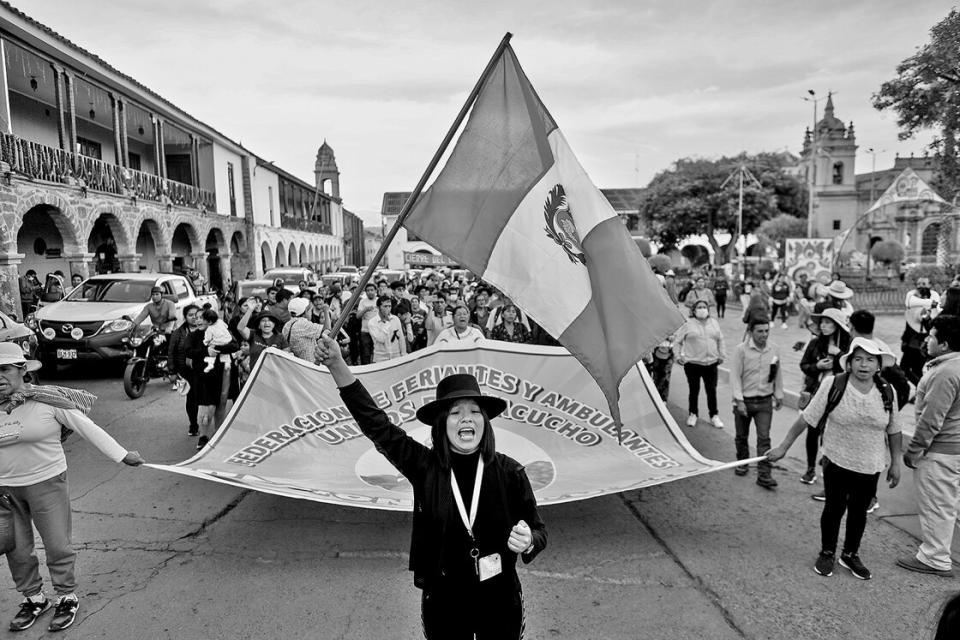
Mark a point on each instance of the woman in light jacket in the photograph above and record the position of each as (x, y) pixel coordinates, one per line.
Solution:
(699, 349)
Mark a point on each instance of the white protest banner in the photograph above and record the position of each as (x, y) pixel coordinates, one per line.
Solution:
(289, 433)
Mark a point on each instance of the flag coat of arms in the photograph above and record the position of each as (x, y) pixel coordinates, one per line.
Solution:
(513, 205)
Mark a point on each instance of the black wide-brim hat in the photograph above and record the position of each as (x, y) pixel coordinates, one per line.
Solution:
(460, 386)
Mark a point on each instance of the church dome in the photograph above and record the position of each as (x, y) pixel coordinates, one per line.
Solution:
(325, 158)
(830, 126)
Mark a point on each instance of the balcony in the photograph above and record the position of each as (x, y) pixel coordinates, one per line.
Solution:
(40, 162)
(300, 224)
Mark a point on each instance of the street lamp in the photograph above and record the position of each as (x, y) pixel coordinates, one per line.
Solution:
(873, 184)
(812, 97)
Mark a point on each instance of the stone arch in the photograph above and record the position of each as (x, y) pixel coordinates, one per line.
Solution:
(266, 256)
(928, 239)
(292, 256)
(237, 243)
(45, 237)
(184, 242)
(215, 247)
(303, 253)
(65, 220)
(108, 240)
(281, 260)
(151, 244)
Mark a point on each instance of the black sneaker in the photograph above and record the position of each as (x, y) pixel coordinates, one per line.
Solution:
(824, 564)
(202, 442)
(767, 482)
(64, 614)
(820, 497)
(874, 505)
(809, 477)
(852, 562)
(193, 430)
(28, 614)
(742, 470)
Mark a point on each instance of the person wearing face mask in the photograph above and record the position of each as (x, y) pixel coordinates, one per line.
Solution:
(861, 437)
(921, 303)
(474, 510)
(699, 349)
(821, 359)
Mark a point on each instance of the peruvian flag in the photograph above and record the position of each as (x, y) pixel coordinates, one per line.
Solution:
(513, 205)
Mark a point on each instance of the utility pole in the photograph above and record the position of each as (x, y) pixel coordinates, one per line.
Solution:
(873, 184)
(741, 172)
(811, 171)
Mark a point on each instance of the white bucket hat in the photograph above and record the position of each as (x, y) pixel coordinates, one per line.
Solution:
(886, 358)
(839, 318)
(11, 353)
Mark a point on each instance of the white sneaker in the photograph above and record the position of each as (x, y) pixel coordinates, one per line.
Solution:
(692, 420)
(783, 326)
(716, 422)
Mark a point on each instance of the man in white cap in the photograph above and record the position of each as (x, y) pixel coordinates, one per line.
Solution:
(300, 333)
(921, 302)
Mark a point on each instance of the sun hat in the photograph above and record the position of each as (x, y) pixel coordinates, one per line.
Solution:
(459, 386)
(269, 313)
(11, 353)
(298, 306)
(839, 318)
(838, 289)
(886, 358)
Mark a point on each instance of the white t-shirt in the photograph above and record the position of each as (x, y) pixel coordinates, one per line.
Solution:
(30, 449)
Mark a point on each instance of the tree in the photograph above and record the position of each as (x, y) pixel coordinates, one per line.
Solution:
(784, 226)
(926, 95)
(687, 199)
(887, 252)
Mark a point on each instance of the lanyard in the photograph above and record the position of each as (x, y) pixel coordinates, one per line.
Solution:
(474, 501)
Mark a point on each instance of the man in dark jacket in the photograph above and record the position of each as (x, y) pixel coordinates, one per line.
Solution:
(177, 361)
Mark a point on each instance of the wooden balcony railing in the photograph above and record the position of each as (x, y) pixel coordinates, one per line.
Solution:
(300, 224)
(40, 162)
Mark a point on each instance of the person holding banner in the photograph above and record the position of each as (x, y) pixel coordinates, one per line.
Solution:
(474, 509)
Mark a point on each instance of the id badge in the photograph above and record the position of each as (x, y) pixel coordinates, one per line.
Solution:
(490, 566)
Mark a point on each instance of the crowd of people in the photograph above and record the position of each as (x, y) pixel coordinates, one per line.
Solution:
(211, 353)
(852, 393)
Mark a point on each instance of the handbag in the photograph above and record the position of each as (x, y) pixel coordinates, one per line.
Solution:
(804, 400)
(7, 538)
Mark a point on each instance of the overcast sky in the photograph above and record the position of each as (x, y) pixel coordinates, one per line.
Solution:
(633, 84)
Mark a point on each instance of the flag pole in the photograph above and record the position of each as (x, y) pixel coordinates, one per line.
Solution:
(408, 205)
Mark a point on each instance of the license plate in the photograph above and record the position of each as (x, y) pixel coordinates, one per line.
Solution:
(66, 354)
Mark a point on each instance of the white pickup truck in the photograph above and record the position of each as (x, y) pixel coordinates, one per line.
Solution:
(89, 324)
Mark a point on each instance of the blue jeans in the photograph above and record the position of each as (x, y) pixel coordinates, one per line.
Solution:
(46, 505)
(760, 411)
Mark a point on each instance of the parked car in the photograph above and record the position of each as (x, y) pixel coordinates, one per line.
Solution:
(246, 288)
(349, 268)
(292, 276)
(343, 279)
(390, 275)
(91, 322)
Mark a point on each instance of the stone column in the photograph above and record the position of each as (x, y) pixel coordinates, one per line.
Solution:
(165, 263)
(10, 283)
(130, 263)
(155, 122)
(80, 264)
(226, 269)
(200, 263)
(58, 91)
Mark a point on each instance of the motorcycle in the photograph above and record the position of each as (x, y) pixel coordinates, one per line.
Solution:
(149, 360)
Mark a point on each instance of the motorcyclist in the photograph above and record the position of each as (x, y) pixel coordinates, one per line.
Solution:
(162, 312)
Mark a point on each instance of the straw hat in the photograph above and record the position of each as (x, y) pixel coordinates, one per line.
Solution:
(11, 353)
(838, 289)
(839, 318)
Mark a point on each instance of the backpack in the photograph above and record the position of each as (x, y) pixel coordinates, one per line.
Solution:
(896, 378)
(839, 385)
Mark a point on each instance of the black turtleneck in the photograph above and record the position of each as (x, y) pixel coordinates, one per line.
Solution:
(464, 467)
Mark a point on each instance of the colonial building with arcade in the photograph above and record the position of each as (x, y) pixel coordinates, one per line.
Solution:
(99, 173)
